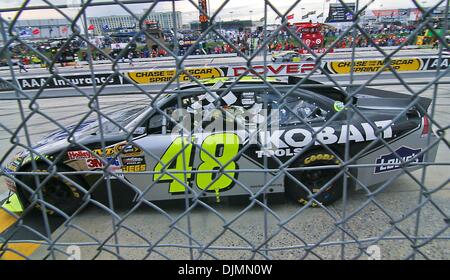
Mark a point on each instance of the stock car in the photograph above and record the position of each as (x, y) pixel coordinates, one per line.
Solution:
(299, 152)
(291, 56)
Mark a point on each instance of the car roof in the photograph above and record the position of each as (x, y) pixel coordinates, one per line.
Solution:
(216, 83)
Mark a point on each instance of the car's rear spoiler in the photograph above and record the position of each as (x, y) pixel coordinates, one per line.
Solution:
(370, 97)
(366, 97)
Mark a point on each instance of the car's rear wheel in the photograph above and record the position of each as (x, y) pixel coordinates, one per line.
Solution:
(315, 179)
(57, 191)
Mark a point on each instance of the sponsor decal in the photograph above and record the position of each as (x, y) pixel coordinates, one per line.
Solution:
(366, 66)
(83, 154)
(318, 157)
(95, 163)
(133, 160)
(281, 143)
(134, 168)
(278, 152)
(36, 158)
(11, 168)
(10, 184)
(128, 150)
(338, 106)
(393, 161)
(92, 160)
(161, 76)
(72, 155)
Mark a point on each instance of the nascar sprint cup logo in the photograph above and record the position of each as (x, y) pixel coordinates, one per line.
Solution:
(393, 161)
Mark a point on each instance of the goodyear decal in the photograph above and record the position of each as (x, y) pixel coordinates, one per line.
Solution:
(163, 76)
(318, 157)
(367, 66)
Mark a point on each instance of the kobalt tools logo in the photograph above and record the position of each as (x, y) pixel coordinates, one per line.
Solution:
(392, 161)
(280, 143)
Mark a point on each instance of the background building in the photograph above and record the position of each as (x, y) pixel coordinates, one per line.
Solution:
(106, 24)
(227, 25)
(127, 23)
(48, 28)
(166, 19)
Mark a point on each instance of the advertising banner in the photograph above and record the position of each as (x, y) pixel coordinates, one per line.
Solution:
(202, 73)
(432, 63)
(72, 80)
(284, 69)
(161, 76)
(368, 66)
(339, 13)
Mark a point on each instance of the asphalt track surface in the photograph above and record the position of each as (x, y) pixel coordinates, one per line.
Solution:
(311, 225)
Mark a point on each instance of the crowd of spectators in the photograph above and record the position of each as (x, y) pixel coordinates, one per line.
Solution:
(245, 41)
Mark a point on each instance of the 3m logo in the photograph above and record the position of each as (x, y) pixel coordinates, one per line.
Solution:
(95, 163)
(393, 161)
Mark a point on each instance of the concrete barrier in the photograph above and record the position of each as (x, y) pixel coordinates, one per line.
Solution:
(165, 58)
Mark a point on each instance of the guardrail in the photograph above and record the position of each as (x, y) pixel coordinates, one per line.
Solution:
(164, 58)
(404, 64)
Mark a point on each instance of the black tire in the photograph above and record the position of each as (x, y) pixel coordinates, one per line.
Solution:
(57, 191)
(315, 179)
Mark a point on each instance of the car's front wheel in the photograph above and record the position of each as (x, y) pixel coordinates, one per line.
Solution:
(324, 184)
(60, 192)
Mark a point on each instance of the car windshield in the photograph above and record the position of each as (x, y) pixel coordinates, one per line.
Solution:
(296, 108)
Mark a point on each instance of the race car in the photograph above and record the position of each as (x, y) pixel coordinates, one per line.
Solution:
(291, 56)
(249, 139)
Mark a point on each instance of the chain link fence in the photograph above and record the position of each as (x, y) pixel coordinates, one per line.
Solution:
(252, 154)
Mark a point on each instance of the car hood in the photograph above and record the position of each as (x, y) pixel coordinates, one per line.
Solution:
(86, 132)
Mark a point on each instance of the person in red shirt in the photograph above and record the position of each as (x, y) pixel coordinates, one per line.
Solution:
(292, 46)
(162, 52)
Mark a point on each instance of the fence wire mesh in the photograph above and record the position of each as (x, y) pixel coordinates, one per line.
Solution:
(201, 153)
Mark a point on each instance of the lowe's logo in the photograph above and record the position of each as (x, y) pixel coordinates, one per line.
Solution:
(391, 161)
